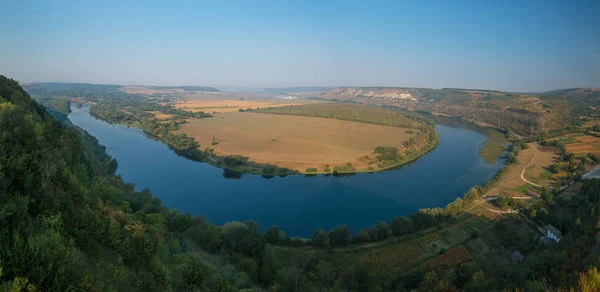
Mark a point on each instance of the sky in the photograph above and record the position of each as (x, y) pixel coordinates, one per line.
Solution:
(521, 46)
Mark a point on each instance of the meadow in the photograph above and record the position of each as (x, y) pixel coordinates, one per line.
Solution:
(532, 163)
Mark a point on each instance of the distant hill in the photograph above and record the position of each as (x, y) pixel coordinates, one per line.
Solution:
(577, 93)
(185, 88)
(523, 113)
(52, 86)
(298, 89)
(72, 86)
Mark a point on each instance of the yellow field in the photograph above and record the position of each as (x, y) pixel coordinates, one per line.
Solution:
(225, 106)
(294, 142)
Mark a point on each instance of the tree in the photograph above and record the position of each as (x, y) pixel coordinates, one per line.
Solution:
(319, 237)
(361, 237)
(555, 168)
(383, 231)
(472, 194)
(402, 225)
(272, 235)
(373, 233)
(511, 158)
(340, 235)
(252, 225)
(589, 281)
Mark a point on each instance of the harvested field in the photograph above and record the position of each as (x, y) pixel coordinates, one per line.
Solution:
(161, 116)
(582, 144)
(224, 106)
(294, 142)
(588, 139)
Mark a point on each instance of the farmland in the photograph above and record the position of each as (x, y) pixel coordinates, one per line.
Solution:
(295, 142)
(581, 144)
(223, 106)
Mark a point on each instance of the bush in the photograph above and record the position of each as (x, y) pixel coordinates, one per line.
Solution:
(233, 160)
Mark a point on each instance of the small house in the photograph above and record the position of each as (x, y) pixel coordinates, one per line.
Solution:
(553, 233)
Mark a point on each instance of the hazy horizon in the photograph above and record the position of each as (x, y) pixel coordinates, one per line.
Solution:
(519, 46)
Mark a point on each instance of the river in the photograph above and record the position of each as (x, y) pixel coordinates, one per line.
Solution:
(298, 204)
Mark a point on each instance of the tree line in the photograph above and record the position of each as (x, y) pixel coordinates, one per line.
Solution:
(351, 112)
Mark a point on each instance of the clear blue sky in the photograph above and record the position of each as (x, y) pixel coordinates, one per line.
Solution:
(506, 45)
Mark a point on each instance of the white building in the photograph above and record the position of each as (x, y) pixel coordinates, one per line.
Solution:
(553, 233)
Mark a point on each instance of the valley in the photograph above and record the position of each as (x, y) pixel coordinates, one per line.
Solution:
(497, 170)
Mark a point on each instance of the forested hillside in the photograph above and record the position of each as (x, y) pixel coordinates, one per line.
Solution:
(69, 224)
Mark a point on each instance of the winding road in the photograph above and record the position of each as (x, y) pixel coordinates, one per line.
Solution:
(527, 166)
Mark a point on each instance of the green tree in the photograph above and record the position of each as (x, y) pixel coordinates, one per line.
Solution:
(361, 237)
(511, 158)
(340, 235)
(319, 237)
(383, 230)
(401, 226)
(272, 235)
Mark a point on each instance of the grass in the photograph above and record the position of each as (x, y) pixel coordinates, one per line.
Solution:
(493, 147)
(295, 142)
(523, 188)
(491, 151)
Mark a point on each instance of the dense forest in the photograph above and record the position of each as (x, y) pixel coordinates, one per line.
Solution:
(70, 224)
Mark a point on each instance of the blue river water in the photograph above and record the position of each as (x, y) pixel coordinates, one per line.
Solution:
(298, 204)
